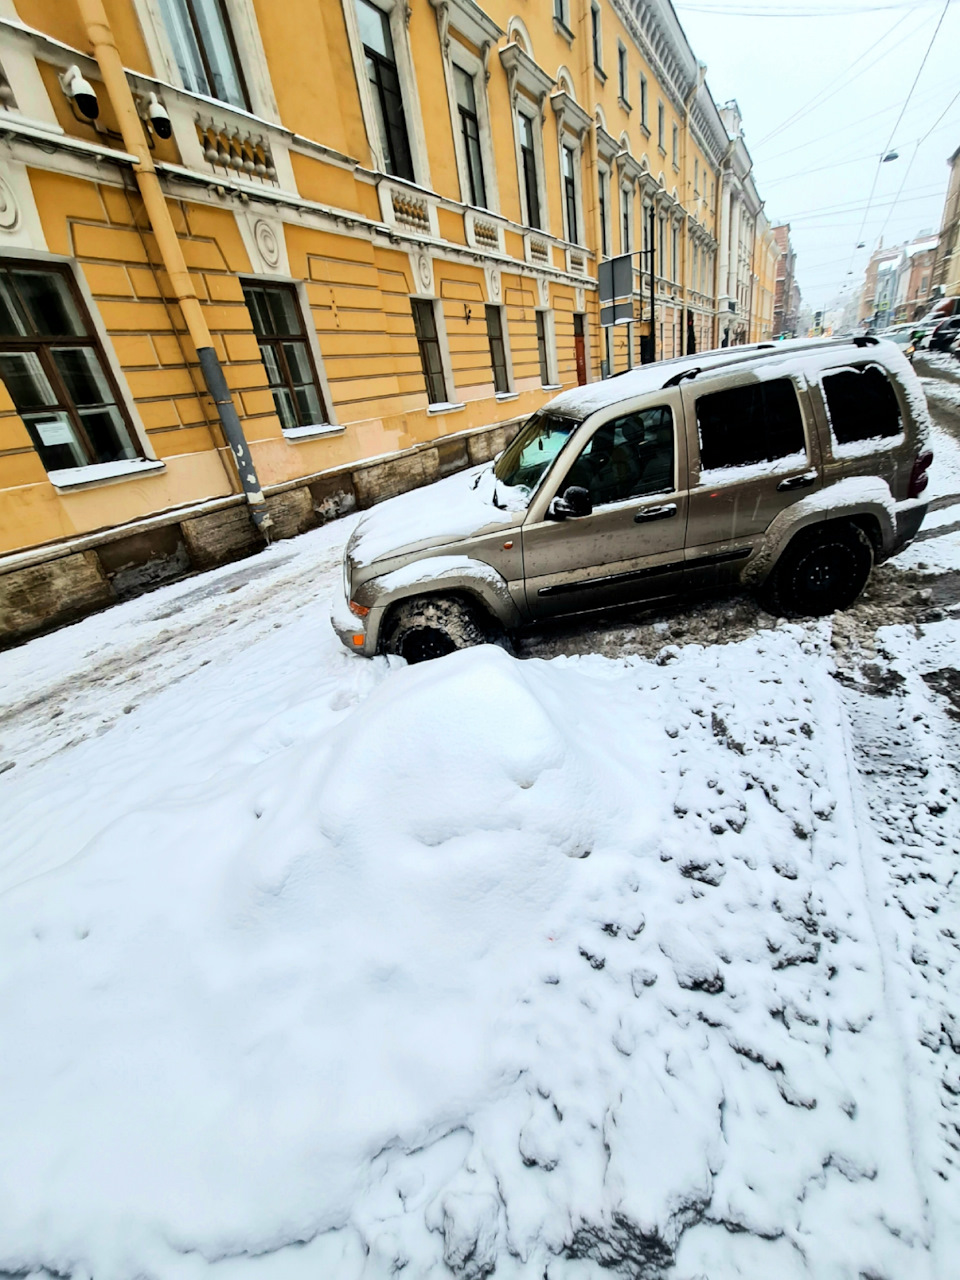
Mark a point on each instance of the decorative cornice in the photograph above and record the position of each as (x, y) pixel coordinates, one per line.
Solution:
(523, 73)
(608, 148)
(570, 115)
(469, 19)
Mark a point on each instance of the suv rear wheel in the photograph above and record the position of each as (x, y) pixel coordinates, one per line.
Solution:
(822, 570)
(426, 627)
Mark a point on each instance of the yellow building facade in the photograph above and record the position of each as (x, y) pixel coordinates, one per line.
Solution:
(263, 263)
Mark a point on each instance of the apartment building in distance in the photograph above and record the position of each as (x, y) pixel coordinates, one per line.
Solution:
(946, 274)
(263, 263)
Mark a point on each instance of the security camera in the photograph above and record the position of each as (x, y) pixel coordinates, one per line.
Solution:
(81, 91)
(157, 115)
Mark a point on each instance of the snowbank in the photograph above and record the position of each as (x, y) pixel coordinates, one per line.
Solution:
(540, 966)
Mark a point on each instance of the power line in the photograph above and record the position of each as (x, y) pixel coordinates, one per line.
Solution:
(832, 12)
(851, 124)
(893, 132)
(920, 143)
(823, 96)
(837, 164)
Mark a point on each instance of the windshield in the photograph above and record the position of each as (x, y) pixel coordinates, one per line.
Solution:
(533, 449)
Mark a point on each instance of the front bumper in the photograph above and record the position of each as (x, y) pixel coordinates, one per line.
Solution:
(359, 635)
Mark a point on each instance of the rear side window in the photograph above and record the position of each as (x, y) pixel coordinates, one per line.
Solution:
(759, 422)
(862, 404)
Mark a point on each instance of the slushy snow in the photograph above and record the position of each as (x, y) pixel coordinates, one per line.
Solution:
(529, 966)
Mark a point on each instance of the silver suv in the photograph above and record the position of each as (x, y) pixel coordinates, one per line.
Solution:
(790, 468)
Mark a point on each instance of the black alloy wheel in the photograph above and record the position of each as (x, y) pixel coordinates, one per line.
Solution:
(821, 571)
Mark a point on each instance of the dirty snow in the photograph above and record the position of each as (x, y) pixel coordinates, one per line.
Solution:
(641, 964)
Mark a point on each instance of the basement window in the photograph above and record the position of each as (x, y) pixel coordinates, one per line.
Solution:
(54, 369)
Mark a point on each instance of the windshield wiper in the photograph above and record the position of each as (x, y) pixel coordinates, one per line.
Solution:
(501, 506)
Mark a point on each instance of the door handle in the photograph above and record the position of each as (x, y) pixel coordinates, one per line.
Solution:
(656, 513)
(797, 482)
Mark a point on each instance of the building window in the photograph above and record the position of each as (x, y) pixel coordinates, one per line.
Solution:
(676, 146)
(528, 157)
(696, 257)
(54, 370)
(384, 79)
(428, 340)
(470, 135)
(286, 354)
(674, 255)
(560, 11)
(626, 219)
(205, 50)
(643, 101)
(622, 72)
(597, 41)
(662, 248)
(661, 127)
(498, 351)
(570, 192)
(604, 185)
(542, 349)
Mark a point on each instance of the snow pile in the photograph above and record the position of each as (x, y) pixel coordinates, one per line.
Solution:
(534, 966)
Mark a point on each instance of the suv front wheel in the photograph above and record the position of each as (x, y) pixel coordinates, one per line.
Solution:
(426, 627)
(821, 571)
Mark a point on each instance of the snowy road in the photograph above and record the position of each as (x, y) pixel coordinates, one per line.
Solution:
(640, 953)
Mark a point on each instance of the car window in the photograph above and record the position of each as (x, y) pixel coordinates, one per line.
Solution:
(758, 422)
(533, 449)
(862, 404)
(628, 457)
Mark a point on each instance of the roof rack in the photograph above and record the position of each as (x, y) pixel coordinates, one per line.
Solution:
(864, 340)
(679, 377)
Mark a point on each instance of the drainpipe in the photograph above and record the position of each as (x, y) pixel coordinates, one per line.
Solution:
(118, 90)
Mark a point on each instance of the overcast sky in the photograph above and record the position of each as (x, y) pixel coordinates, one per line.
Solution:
(820, 84)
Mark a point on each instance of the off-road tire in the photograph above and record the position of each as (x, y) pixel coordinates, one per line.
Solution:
(426, 627)
(822, 570)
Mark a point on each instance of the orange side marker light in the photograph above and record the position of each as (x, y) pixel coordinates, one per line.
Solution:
(358, 640)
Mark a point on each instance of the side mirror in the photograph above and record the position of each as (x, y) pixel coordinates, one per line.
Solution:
(575, 502)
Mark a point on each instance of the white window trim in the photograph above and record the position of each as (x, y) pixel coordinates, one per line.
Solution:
(524, 107)
(312, 430)
(246, 34)
(623, 76)
(596, 50)
(456, 55)
(627, 194)
(572, 142)
(440, 406)
(511, 392)
(550, 338)
(397, 12)
(603, 184)
(106, 346)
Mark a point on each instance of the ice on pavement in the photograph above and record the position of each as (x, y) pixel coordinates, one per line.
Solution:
(529, 966)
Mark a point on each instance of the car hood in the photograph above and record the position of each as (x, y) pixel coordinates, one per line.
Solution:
(450, 511)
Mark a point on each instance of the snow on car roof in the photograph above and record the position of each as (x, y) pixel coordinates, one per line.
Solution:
(582, 401)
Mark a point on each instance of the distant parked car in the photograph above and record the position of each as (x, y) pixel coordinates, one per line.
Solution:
(904, 336)
(789, 467)
(944, 334)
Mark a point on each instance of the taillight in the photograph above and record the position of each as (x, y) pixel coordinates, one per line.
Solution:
(918, 476)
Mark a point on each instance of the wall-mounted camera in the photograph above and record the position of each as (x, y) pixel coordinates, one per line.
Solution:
(80, 92)
(160, 122)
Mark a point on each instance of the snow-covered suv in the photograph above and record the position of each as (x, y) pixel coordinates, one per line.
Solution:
(790, 467)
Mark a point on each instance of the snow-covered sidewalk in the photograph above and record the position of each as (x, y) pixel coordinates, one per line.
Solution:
(314, 966)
